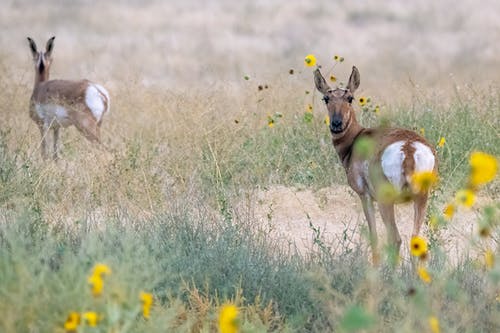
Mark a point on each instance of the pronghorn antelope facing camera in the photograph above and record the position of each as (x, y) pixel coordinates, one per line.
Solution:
(62, 103)
(394, 155)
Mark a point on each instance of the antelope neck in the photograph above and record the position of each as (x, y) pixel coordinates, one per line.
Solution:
(41, 77)
(344, 144)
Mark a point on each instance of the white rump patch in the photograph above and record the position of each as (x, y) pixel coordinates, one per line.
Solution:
(424, 158)
(392, 164)
(97, 100)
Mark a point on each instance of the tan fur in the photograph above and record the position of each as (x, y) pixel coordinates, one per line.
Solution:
(69, 95)
(365, 174)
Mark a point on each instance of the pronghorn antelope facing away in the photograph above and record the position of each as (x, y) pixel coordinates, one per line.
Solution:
(395, 154)
(62, 103)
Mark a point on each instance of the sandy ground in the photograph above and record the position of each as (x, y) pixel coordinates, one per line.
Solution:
(334, 216)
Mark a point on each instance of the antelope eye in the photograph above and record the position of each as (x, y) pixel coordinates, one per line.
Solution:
(350, 99)
(326, 99)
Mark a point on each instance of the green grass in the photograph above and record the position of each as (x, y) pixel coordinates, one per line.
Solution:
(180, 253)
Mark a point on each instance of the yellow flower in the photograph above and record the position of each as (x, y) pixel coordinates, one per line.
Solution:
(418, 247)
(147, 301)
(270, 122)
(72, 322)
(338, 58)
(309, 108)
(422, 131)
(376, 109)
(96, 283)
(448, 211)
(489, 259)
(434, 324)
(310, 60)
(423, 181)
(333, 78)
(483, 168)
(441, 142)
(362, 101)
(101, 270)
(424, 274)
(91, 318)
(228, 319)
(465, 198)
(327, 120)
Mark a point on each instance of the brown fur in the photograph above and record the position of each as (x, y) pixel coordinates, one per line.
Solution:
(69, 94)
(346, 131)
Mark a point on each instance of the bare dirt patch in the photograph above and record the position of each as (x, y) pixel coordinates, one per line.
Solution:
(334, 216)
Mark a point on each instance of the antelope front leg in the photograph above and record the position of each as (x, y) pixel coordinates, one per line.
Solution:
(55, 144)
(369, 211)
(44, 129)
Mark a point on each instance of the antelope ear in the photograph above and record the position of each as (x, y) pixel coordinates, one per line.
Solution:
(320, 82)
(49, 46)
(33, 48)
(353, 80)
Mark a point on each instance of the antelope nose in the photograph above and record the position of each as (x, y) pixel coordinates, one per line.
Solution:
(336, 123)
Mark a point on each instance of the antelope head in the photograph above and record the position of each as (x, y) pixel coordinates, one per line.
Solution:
(338, 101)
(42, 60)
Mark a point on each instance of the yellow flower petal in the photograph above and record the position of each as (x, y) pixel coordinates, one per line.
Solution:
(96, 283)
(465, 198)
(441, 142)
(362, 101)
(310, 60)
(228, 319)
(483, 168)
(434, 324)
(91, 318)
(422, 182)
(72, 322)
(449, 211)
(424, 274)
(147, 301)
(418, 247)
(101, 269)
(489, 259)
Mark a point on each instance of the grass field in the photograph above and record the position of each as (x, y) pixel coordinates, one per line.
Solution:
(170, 204)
